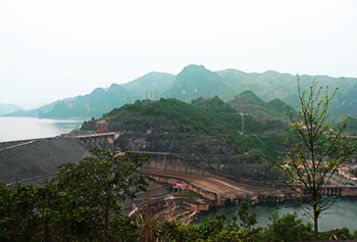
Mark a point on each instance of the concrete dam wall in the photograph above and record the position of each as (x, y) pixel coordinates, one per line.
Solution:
(25, 160)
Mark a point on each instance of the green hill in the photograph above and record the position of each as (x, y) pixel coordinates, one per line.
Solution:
(94, 104)
(149, 85)
(196, 81)
(38, 112)
(103, 100)
(205, 116)
(247, 102)
(345, 104)
(271, 84)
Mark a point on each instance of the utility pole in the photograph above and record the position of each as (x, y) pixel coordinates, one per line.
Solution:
(242, 114)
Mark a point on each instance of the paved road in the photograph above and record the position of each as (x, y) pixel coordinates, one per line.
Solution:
(18, 145)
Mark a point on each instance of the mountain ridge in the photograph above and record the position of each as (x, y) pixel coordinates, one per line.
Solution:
(192, 82)
(8, 108)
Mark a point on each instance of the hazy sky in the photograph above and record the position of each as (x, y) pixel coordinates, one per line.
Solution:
(55, 49)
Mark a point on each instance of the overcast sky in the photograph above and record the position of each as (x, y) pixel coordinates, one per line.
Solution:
(50, 49)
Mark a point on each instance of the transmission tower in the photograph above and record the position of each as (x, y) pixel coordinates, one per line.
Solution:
(243, 114)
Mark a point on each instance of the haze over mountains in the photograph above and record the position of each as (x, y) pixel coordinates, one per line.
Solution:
(9, 108)
(196, 81)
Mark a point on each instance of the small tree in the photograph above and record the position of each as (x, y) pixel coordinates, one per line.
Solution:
(287, 228)
(247, 220)
(316, 149)
(82, 203)
(96, 188)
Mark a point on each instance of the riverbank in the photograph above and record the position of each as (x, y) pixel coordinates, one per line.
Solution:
(219, 192)
(342, 214)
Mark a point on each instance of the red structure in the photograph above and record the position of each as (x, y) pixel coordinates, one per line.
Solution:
(101, 126)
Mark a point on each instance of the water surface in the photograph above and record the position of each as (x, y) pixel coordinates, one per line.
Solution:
(19, 128)
(342, 214)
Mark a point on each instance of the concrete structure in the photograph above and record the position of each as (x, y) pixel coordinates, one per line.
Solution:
(32, 161)
(101, 126)
(99, 141)
(217, 190)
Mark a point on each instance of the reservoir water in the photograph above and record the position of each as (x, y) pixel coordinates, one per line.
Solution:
(342, 214)
(19, 128)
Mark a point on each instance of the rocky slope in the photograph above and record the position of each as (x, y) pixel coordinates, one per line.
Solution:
(177, 144)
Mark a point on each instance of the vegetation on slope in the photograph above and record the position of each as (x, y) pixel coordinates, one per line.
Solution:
(196, 81)
(211, 117)
(271, 84)
(352, 126)
(248, 103)
(345, 104)
(149, 85)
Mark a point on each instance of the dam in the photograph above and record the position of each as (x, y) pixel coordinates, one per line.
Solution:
(34, 160)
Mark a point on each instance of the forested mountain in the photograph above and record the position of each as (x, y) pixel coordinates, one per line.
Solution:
(149, 85)
(346, 104)
(271, 84)
(8, 108)
(94, 104)
(103, 100)
(196, 81)
(249, 104)
(38, 112)
(91, 105)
